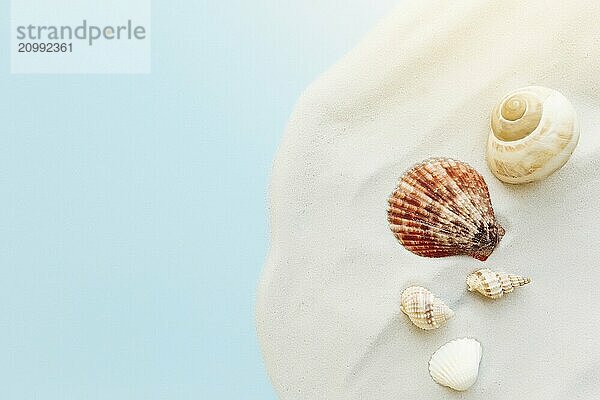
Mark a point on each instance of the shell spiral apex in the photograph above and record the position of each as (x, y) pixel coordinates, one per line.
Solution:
(534, 131)
(424, 309)
(494, 284)
(441, 207)
(456, 364)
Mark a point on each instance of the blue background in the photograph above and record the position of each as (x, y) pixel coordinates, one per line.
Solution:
(133, 220)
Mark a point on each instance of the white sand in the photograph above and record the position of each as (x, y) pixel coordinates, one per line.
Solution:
(423, 84)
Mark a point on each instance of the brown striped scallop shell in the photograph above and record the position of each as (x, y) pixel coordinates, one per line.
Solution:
(441, 208)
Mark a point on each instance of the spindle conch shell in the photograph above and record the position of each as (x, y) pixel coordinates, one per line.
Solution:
(494, 284)
(424, 309)
(441, 207)
(534, 131)
(456, 364)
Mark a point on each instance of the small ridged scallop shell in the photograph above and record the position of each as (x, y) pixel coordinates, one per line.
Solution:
(441, 207)
(456, 364)
(534, 131)
(494, 284)
(424, 309)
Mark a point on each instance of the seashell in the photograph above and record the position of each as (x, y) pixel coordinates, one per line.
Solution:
(441, 208)
(456, 364)
(424, 309)
(534, 131)
(494, 284)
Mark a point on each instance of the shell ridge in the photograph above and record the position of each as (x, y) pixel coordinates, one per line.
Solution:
(425, 198)
(451, 192)
(422, 216)
(438, 224)
(406, 226)
(477, 201)
(445, 208)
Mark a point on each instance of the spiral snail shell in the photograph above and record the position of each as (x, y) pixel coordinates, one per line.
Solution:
(534, 131)
(493, 284)
(424, 309)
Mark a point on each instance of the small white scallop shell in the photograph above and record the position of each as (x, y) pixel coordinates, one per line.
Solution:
(534, 131)
(456, 364)
(424, 309)
(494, 284)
